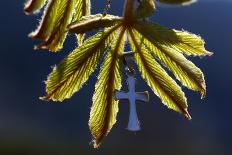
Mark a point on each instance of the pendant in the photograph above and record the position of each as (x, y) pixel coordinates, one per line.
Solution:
(132, 96)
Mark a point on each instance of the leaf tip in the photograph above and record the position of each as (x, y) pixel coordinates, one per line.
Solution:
(207, 53)
(52, 97)
(26, 12)
(203, 94)
(186, 114)
(96, 144)
(45, 98)
(33, 35)
(26, 8)
(44, 46)
(40, 47)
(203, 90)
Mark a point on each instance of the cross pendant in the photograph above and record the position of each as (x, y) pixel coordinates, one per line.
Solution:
(132, 96)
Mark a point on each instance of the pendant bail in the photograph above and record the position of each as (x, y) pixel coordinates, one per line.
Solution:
(127, 59)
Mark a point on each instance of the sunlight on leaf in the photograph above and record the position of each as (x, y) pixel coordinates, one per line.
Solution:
(105, 108)
(184, 70)
(159, 81)
(63, 17)
(83, 9)
(182, 41)
(145, 8)
(58, 14)
(31, 6)
(183, 2)
(88, 23)
(75, 69)
(153, 46)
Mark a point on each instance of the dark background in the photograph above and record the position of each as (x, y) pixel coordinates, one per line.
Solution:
(29, 126)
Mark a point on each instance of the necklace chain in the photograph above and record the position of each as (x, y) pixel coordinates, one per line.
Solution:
(107, 7)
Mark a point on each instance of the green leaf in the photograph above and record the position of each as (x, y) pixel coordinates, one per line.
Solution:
(63, 16)
(105, 107)
(83, 9)
(181, 41)
(88, 23)
(31, 6)
(151, 44)
(47, 23)
(75, 69)
(57, 16)
(160, 82)
(184, 70)
(146, 8)
(183, 2)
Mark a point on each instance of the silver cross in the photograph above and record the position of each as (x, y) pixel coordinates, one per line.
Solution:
(132, 96)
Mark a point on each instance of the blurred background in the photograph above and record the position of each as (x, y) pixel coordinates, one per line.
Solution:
(29, 126)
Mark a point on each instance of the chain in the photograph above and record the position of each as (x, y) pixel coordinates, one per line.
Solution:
(107, 7)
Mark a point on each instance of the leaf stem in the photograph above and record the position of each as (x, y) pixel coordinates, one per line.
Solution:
(128, 11)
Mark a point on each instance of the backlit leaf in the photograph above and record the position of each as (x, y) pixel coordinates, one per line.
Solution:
(105, 107)
(181, 41)
(88, 23)
(156, 77)
(75, 69)
(62, 18)
(57, 16)
(152, 45)
(145, 8)
(184, 70)
(183, 2)
(83, 9)
(31, 6)
(48, 21)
